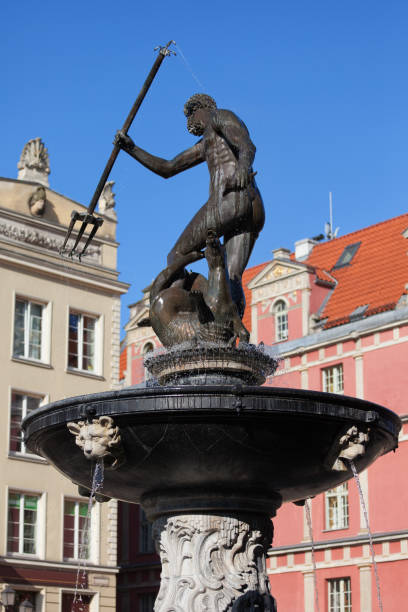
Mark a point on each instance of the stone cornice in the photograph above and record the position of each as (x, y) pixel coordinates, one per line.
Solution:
(73, 276)
(348, 331)
(357, 540)
(19, 561)
(21, 232)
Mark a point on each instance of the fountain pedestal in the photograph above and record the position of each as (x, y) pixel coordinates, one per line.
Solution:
(213, 562)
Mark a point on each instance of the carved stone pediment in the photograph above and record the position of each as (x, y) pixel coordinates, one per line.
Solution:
(274, 271)
(138, 316)
(278, 278)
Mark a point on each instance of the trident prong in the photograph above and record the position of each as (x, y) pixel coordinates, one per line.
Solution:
(165, 50)
(88, 217)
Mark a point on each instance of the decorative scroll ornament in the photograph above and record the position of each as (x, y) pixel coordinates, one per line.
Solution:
(106, 201)
(213, 562)
(34, 164)
(99, 439)
(350, 446)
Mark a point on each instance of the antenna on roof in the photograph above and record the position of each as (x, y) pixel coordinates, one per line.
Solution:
(328, 227)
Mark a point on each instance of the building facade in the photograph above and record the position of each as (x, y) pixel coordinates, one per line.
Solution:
(336, 313)
(60, 324)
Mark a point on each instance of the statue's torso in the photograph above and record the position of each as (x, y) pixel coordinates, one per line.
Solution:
(220, 159)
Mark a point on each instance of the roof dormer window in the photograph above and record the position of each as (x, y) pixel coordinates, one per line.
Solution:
(347, 255)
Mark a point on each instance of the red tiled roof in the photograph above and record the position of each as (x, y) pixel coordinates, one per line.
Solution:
(325, 277)
(123, 363)
(376, 276)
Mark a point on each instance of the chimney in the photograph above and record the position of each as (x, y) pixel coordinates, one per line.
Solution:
(281, 253)
(303, 248)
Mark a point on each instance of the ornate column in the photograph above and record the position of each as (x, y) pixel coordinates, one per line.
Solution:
(214, 562)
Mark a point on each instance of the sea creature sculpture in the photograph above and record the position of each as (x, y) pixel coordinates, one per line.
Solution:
(190, 308)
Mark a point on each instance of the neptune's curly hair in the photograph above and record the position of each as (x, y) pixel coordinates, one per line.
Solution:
(198, 101)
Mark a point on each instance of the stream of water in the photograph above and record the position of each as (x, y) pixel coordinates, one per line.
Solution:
(78, 604)
(370, 537)
(309, 523)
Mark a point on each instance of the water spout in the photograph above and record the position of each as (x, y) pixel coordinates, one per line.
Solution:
(309, 523)
(364, 507)
(81, 582)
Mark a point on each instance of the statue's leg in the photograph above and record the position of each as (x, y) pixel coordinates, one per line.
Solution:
(194, 237)
(239, 248)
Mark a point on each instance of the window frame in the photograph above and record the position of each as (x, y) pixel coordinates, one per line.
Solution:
(341, 494)
(281, 331)
(77, 532)
(94, 596)
(93, 534)
(337, 381)
(98, 343)
(148, 347)
(347, 255)
(45, 347)
(342, 592)
(39, 525)
(24, 453)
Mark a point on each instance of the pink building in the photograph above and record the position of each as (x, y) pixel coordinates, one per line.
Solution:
(337, 314)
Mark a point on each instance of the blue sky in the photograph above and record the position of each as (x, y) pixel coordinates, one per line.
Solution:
(321, 86)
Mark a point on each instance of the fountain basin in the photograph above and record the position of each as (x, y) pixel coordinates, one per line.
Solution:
(214, 448)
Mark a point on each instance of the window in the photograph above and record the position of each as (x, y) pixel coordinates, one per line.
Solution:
(82, 342)
(22, 523)
(68, 603)
(146, 602)
(339, 591)
(333, 379)
(21, 406)
(28, 330)
(76, 530)
(23, 596)
(148, 348)
(347, 255)
(146, 544)
(281, 321)
(337, 508)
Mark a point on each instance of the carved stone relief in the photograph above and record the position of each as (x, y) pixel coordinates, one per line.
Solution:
(36, 202)
(34, 164)
(19, 232)
(106, 202)
(279, 286)
(99, 439)
(347, 447)
(213, 562)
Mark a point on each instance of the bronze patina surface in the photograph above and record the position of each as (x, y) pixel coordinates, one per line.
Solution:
(234, 211)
